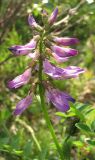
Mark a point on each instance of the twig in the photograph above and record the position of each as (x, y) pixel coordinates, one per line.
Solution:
(66, 20)
(71, 13)
(9, 19)
(71, 25)
(31, 131)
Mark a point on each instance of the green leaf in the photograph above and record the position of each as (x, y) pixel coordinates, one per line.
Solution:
(93, 126)
(17, 152)
(70, 114)
(67, 145)
(77, 112)
(91, 142)
(83, 127)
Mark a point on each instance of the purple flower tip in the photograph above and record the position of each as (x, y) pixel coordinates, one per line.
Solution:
(10, 49)
(53, 16)
(32, 21)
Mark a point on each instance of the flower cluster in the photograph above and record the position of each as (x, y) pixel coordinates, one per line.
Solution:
(52, 46)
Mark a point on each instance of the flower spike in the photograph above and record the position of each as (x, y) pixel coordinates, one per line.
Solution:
(40, 49)
(45, 43)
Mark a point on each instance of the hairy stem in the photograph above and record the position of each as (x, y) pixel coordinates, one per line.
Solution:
(44, 108)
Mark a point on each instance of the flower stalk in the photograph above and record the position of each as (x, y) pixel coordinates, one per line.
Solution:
(41, 48)
(44, 109)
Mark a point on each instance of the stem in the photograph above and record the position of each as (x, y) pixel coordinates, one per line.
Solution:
(44, 108)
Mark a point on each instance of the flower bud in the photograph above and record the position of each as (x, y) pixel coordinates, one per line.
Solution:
(18, 50)
(33, 23)
(22, 105)
(64, 52)
(20, 80)
(66, 41)
(53, 16)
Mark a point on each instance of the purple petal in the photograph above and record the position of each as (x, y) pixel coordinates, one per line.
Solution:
(20, 80)
(31, 44)
(32, 21)
(59, 99)
(34, 55)
(51, 70)
(22, 105)
(61, 73)
(59, 59)
(53, 16)
(64, 52)
(72, 71)
(67, 96)
(66, 41)
(18, 50)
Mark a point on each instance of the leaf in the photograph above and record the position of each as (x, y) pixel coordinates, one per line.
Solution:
(67, 145)
(93, 126)
(91, 142)
(77, 112)
(78, 143)
(70, 114)
(83, 107)
(83, 127)
(17, 152)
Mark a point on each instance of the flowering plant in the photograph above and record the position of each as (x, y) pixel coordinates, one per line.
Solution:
(40, 49)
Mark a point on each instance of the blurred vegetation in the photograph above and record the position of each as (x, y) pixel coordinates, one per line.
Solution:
(27, 137)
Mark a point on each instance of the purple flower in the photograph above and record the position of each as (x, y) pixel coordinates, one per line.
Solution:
(53, 16)
(61, 73)
(58, 58)
(20, 80)
(22, 105)
(66, 41)
(43, 40)
(64, 52)
(72, 72)
(32, 21)
(18, 50)
(59, 99)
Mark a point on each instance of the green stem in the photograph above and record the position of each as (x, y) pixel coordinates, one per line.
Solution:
(44, 108)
